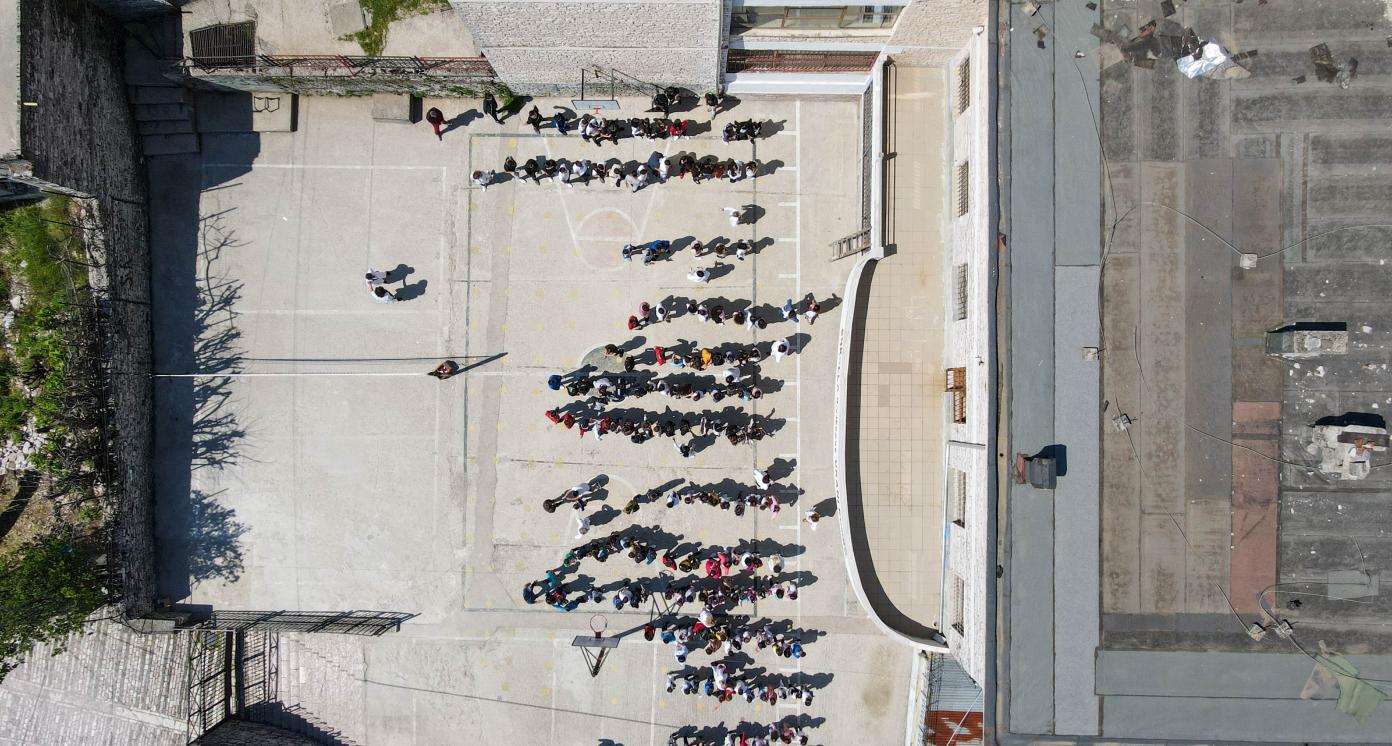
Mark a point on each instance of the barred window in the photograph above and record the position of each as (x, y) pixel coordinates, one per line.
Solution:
(959, 292)
(963, 85)
(959, 603)
(963, 179)
(957, 496)
(957, 387)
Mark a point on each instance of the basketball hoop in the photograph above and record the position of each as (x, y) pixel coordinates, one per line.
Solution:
(588, 644)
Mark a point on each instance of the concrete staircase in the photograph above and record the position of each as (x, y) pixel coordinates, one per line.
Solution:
(163, 114)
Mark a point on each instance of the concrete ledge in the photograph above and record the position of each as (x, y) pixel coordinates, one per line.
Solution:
(800, 83)
(840, 455)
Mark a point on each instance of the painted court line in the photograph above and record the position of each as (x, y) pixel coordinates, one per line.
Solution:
(787, 240)
(787, 276)
(787, 204)
(324, 166)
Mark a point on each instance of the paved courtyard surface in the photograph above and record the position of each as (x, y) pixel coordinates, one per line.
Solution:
(329, 473)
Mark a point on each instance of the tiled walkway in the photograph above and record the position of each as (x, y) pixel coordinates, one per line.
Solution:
(896, 399)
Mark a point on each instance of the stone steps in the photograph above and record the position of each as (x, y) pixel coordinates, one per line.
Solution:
(157, 145)
(155, 94)
(162, 112)
(163, 116)
(165, 127)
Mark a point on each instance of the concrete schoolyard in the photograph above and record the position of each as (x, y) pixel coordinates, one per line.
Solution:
(308, 463)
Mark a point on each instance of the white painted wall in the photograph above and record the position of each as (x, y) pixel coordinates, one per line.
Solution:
(966, 341)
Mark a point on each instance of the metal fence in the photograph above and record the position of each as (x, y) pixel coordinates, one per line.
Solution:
(371, 623)
(341, 64)
(209, 658)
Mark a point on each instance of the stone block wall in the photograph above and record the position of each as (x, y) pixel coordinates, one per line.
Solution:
(82, 136)
(933, 32)
(541, 47)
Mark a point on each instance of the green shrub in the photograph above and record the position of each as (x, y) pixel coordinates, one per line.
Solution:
(383, 13)
(48, 588)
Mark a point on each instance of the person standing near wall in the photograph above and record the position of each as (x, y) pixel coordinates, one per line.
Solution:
(490, 106)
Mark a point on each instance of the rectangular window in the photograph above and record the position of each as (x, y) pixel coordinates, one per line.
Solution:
(957, 387)
(818, 17)
(959, 604)
(959, 292)
(963, 178)
(957, 496)
(963, 85)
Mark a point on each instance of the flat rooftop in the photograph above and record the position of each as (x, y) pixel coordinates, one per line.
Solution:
(1208, 499)
(329, 473)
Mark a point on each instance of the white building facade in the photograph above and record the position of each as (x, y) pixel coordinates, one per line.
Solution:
(970, 405)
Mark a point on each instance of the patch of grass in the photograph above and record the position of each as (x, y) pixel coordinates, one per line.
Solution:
(383, 13)
(41, 264)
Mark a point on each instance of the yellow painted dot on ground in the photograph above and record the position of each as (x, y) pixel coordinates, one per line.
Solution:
(574, 292)
(700, 706)
(758, 708)
(509, 210)
(570, 323)
(613, 700)
(505, 686)
(546, 691)
(547, 214)
(512, 142)
(540, 291)
(662, 703)
(569, 362)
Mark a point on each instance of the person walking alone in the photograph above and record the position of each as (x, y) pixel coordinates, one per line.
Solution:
(490, 106)
(534, 119)
(436, 118)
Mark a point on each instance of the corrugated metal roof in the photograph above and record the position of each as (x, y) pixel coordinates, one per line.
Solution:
(954, 689)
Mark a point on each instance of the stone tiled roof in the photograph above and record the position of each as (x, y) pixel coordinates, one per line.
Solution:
(110, 687)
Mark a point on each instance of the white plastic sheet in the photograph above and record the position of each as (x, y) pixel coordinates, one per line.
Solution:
(1214, 63)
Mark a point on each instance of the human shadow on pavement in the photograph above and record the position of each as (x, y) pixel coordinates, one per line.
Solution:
(412, 291)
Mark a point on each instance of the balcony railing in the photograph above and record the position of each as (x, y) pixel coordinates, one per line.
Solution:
(783, 61)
